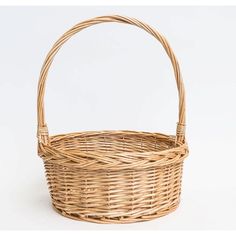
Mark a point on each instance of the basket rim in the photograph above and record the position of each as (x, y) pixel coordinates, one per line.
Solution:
(112, 159)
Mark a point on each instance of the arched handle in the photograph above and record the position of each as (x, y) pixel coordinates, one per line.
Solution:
(43, 136)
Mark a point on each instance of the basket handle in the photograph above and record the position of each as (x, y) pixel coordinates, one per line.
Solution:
(43, 136)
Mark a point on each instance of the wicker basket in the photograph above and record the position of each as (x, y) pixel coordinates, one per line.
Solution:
(113, 176)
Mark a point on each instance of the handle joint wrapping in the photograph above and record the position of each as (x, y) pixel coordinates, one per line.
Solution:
(42, 134)
(180, 132)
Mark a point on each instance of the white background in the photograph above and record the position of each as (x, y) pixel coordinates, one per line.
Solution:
(115, 76)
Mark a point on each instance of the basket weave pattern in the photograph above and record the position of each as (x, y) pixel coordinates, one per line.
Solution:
(113, 176)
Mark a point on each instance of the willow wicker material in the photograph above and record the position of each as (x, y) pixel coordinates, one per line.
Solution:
(113, 176)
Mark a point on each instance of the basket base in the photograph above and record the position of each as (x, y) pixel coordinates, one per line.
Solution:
(120, 220)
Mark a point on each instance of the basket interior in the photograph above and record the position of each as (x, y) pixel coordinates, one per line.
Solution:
(113, 141)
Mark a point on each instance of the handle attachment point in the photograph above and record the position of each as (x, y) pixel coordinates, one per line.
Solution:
(180, 132)
(42, 134)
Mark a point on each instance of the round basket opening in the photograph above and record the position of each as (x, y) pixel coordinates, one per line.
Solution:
(113, 141)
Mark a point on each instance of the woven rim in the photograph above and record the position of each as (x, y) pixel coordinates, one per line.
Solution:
(43, 136)
(65, 150)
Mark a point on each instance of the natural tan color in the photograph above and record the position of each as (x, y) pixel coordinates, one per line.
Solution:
(113, 176)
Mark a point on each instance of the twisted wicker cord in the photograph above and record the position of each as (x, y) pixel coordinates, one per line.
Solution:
(43, 135)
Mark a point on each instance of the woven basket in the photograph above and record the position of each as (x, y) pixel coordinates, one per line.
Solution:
(113, 176)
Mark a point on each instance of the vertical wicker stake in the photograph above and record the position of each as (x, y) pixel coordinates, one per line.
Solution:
(113, 176)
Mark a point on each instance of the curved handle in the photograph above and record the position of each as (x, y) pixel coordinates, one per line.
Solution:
(43, 136)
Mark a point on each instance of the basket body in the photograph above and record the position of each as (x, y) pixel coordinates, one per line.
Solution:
(118, 177)
(113, 176)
